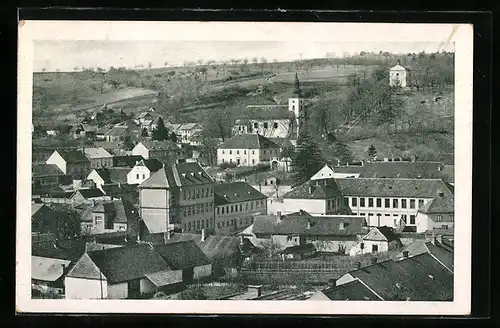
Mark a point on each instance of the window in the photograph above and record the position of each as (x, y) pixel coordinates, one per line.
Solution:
(241, 207)
(395, 203)
(223, 224)
(346, 201)
(412, 219)
(387, 214)
(444, 226)
(137, 176)
(144, 176)
(370, 202)
(403, 203)
(354, 201)
(222, 210)
(387, 203)
(289, 238)
(412, 203)
(223, 160)
(184, 194)
(198, 209)
(218, 210)
(245, 152)
(203, 224)
(379, 202)
(395, 222)
(237, 152)
(246, 206)
(265, 125)
(223, 152)
(251, 205)
(189, 194)
(184, 211)
(189, 210)
(256, 125)
(403, 217)
(374, 248)
(253, 152)
(370, 214)
(230, 152)
(231, 208)
(198, 224)
(420, 203)
(439, 218)
(262, 203)
(218, 224)
(362, 202)
(198, 193)
(275, 125)
(253, 161)
(189, 225)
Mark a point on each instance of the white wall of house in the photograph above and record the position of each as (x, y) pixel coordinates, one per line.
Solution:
(333, 246)
(284, 241)
(382, 246)
(118, 291)
(138, 174)
(202, 271)
(56, 159)
(312, 206)
(398, 77)
(94, 176)
(81, 288)
(140, 149)
(344, 279)
(272, 128)
(147, 287)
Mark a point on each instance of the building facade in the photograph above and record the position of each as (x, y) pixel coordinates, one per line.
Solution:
(71, 162)
(398, 76)
(247, 150)
(166, 151)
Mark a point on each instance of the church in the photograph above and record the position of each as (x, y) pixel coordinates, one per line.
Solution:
(398, 76)
(274, 121)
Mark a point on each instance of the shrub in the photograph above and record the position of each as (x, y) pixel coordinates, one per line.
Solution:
(227, 165)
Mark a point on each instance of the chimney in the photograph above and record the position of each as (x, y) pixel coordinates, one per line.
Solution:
(399, 62)
(374, 260)
(405, 254)
(202, 234)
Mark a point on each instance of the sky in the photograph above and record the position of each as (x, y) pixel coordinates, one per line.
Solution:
(65, 55)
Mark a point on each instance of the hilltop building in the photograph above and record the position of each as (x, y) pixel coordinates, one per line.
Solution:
(398, 76)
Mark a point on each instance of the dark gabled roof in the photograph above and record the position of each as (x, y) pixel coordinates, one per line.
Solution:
(442, 253)
(381, 187)
(266, 112)
(104, 174)
(182, 255)
(126, 161)
(352, 291)
(160, 145)
(122, 264)
(442, 203)
(235, 192)
(448, 173)
(152, 164)
(322, 189)
(417, 278)
(90, 193)
(73, 156)
(118, 174)
(117, 131)
(248, 141)
(45, 170)
(70, 249)
(178, 175)
(309, 225)
(388, 233)
(398, 169)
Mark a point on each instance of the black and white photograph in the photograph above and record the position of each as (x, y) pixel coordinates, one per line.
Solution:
(224, 162)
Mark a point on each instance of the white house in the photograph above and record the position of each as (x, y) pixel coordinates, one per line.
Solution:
(142, 171)
(98, 157)
(186, 130)
(378, 240)
(119, 273)
(247, 150)
(109, 216)
(327, 172)
(398, 76)
(165, 150)
(70, 162)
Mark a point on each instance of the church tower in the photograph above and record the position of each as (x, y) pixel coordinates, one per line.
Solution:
(297, 105)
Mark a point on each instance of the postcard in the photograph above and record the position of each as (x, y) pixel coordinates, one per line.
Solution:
(244, 168)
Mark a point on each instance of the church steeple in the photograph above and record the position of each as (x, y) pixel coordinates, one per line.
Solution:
(297, 91)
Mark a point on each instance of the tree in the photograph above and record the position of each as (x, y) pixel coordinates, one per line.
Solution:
(173, 137)
(128, 143)
(67, 222)
(307, 159)
(218, 123)
(371, 152)
(342, 152)
(144, 132)
(161, 132)
(193, 293)
(208, 149)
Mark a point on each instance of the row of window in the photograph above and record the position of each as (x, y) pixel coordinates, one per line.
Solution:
(197, 225)
(103, 163)
(193, 194)
(403, 217)
(143, 176)
(237, 152)
(256, 125)
(238, 161)
(387, 202)
(233, 222)
(227, 209)
(332, 204)
(197, 209)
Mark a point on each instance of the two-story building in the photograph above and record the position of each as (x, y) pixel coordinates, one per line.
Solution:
(142, 170)
(247, 150)
(186, 130)
(45, 176)
(98, 157)
(178, 197)
(438, 213)
(236, 204)
(271, 121)
(392, 202)
(71, 162)
(166, 151)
